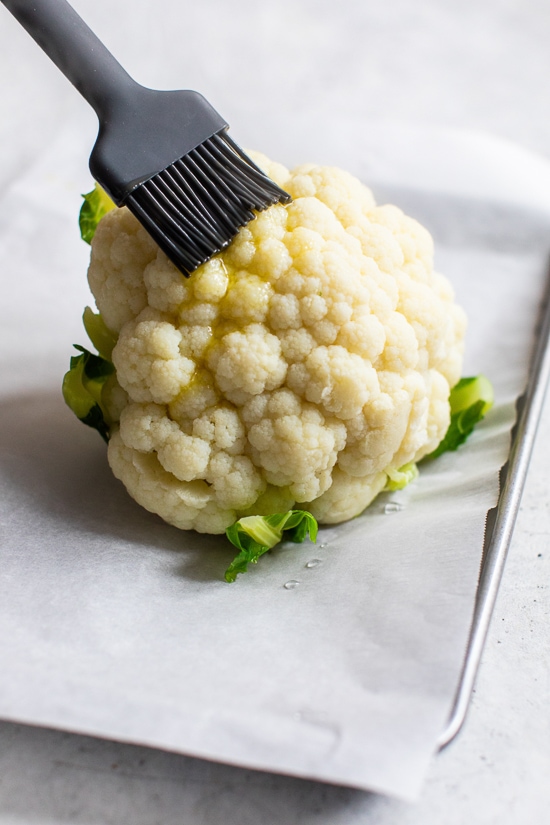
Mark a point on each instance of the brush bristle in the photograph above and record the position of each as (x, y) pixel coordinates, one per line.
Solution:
(195, 207)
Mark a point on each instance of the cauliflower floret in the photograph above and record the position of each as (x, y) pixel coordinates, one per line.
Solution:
(301, 365)
(148, 359)
(121, 250)
(246, 363)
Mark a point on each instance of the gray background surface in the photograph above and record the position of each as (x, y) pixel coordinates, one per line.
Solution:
(475, 65)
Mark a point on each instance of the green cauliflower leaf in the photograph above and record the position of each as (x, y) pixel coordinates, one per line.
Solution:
(82, 389)
(397, 479)
(255, 535)
(99, 334)
(96, 204)
(470, 401)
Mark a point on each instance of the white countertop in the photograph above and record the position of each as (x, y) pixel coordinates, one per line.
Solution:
(475, 65)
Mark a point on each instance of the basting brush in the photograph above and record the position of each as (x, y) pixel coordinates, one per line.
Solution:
(166, 155)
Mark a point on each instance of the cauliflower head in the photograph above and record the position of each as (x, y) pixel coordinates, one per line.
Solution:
(301, 366)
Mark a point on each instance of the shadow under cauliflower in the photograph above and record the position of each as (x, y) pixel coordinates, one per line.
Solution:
(305, 364)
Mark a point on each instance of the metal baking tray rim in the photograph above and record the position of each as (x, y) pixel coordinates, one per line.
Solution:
(502, 518)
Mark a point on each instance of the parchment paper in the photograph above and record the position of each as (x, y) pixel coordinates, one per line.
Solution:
(115, 624)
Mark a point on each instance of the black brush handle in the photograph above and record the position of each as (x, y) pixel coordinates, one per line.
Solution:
(75, 49)
(141, 131)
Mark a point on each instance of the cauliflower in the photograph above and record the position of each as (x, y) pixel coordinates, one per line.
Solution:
(305, 364)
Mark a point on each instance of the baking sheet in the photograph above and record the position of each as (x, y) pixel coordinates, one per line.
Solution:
(114, 624)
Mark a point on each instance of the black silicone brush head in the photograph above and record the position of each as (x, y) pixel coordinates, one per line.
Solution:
(196, 206)
(168, 158)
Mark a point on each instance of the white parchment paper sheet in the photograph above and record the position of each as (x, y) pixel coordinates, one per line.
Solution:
(114, 624)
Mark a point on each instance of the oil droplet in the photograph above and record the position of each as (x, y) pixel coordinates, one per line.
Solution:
(291, 584)
(392, 507)
(314, 562)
